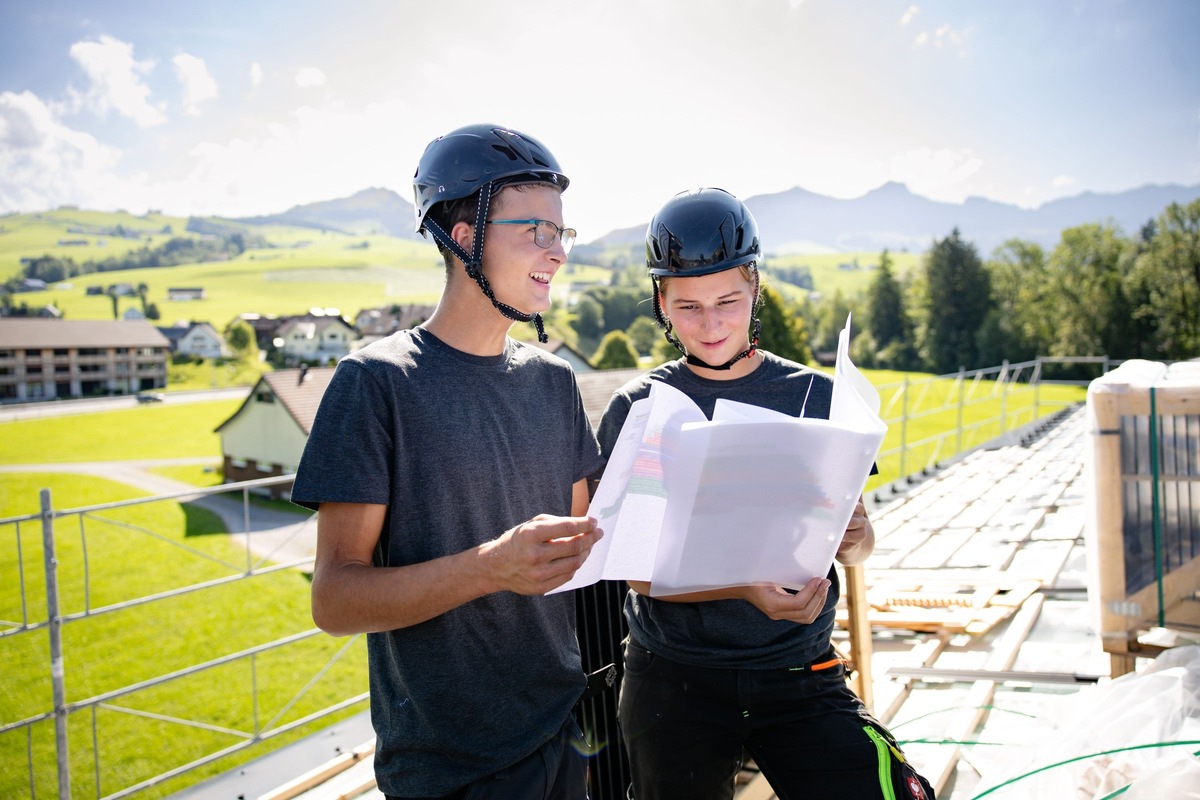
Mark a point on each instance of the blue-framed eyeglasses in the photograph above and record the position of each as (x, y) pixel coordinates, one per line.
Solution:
(544, 232)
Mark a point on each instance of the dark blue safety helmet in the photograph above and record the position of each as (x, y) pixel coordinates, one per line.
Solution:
(460, 163)
(699, 232)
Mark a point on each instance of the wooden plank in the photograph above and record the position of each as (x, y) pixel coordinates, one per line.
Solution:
(320, 774)
(924, 655)
(859, 627)
(965, 723)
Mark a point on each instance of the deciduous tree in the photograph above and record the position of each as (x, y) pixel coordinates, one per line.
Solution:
(1169, 271)
(615, 352)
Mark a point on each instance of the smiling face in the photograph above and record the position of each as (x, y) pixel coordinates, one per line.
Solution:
(518, 270)
(711, 316)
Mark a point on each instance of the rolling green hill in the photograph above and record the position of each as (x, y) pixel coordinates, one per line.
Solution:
(301, 268)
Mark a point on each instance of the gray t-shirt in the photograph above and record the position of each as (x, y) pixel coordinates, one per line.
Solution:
(728, 633)
(460, 448)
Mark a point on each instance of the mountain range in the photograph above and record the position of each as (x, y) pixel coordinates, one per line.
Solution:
(798, 220)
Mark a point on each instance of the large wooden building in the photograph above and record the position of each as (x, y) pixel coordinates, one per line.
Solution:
(44, 359)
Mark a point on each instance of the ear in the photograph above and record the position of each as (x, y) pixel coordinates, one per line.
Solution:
(464, 234)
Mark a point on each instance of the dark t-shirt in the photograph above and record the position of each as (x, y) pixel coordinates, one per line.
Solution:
(728, 633)
(460, 448)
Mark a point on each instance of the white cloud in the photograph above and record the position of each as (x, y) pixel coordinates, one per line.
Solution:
(316, 154)
(909, 13)
(198, 82)
(1062, 181)
(256, 74)
(44, 164)
(937, 174)
(116, 80)
(310, 77)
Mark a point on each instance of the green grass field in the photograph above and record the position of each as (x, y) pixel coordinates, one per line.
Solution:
(150, 431)
(829, 277)
(32, 235)
(131, 552)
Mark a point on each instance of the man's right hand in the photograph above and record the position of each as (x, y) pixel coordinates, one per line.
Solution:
(540, 554)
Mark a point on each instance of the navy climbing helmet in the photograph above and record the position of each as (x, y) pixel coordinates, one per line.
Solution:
(699, 232)
(460, 163)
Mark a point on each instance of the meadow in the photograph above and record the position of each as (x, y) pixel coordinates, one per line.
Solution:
(111, 556)
(848, 273)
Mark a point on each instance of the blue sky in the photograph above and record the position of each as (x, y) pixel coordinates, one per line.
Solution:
(249, 107)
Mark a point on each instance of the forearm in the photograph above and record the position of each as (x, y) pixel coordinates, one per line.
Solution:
(353, 597)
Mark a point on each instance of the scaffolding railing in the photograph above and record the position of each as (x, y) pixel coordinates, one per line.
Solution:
(934, 420)
(66, 743)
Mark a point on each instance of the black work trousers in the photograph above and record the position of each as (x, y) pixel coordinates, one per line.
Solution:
(685, 729)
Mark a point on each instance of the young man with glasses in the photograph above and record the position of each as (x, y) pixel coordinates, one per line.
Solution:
(449, 465)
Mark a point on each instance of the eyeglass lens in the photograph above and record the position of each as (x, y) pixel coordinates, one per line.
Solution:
(546, 232)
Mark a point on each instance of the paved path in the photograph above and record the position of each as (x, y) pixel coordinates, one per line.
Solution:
(270, 534)
(10, 412)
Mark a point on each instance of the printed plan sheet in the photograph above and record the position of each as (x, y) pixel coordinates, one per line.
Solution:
(752, 496)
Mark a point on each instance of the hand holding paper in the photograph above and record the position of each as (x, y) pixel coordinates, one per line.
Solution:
(751, 497)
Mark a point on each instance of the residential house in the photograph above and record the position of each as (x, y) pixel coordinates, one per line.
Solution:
(181, 294)
(267, 434)
(315, 339)
(43, 359)
(578, 361)
(264, 328)
(386, 320)
(201, 339)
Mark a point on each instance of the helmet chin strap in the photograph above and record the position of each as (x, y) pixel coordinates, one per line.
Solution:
(473, 263)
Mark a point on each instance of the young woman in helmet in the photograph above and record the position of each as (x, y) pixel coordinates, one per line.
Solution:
(710, 674)
(449, 466)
